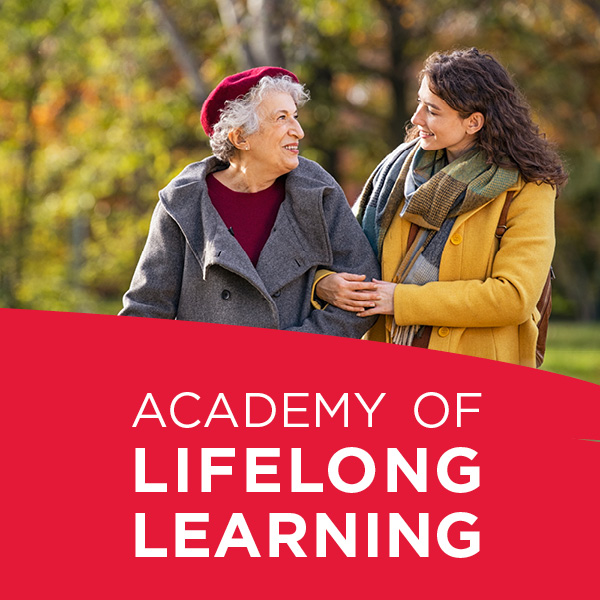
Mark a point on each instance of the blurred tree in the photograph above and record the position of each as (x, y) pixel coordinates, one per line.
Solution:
(182, 54)
(33, 94)
(100, 106)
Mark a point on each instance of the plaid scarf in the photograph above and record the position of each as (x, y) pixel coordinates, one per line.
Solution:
(424, 189)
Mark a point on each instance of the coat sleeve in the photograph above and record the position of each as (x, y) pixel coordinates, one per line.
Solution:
(156, 283)
(352, 253)
(518, 273)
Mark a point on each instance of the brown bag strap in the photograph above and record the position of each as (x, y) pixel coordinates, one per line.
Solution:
(544, 305)
(412, 234)
(501, 227)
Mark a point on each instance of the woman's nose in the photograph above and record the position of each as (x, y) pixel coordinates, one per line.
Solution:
(297, 129)
(417, 118)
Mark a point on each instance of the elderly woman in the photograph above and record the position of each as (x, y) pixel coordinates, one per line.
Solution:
(473, 159)
(237, 237)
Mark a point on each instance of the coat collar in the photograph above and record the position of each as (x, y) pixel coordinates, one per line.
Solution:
(462, 218)
(298, 240)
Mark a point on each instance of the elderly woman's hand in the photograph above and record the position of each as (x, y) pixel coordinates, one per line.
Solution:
(348, 291)
(385, 304)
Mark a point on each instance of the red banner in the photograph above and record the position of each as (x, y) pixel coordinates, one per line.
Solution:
(153, 459)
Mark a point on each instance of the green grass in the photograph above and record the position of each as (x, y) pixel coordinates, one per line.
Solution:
(573, 349)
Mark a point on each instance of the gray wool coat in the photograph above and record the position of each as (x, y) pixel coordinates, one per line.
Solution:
(193, 269)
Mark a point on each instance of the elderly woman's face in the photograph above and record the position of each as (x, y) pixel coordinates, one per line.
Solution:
(274, 147)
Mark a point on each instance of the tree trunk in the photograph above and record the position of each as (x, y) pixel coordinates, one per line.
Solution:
(25, 194)
(269, 18)
(399, 64)
(231, 18)
(182, 54)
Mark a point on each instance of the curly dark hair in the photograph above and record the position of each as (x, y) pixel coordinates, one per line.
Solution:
(471, 81)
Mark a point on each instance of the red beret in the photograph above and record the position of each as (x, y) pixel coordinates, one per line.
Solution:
(233, 87)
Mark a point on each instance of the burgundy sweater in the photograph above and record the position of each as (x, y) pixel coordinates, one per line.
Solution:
(248, 216)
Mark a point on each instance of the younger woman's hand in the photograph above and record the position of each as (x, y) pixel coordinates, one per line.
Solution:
(385, 304)
(348, 291)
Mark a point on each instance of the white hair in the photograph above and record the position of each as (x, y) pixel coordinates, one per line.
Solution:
(242, 113)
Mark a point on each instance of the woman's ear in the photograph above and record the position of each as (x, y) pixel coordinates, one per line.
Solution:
(238, 139)
(475, 122)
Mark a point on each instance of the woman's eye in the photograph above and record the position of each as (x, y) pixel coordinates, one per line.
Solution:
(429, 111)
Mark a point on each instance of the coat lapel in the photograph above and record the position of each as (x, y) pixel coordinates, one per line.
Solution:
(299, 239)
(186, 200)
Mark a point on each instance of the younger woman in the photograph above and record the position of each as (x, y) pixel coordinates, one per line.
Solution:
(431, 210)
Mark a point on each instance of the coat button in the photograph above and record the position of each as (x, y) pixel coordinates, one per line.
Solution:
(225, 294)
(443, 331)
(456, 239)
(276, 294)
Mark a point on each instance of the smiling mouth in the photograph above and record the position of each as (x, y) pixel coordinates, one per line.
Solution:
(292, 148)
(425, 134)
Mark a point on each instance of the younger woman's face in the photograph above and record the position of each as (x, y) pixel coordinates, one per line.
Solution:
(441, 126)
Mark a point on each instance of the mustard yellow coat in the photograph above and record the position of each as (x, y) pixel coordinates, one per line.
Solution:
(484, 303)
